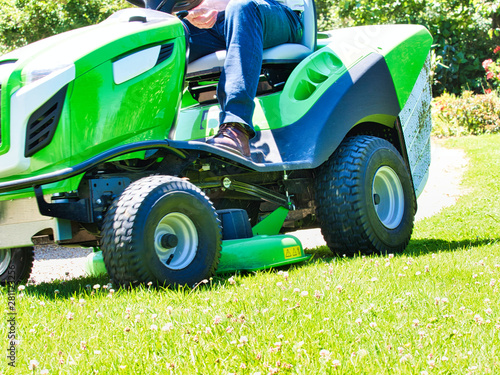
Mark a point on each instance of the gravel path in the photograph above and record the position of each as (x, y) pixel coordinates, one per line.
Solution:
(442, 190)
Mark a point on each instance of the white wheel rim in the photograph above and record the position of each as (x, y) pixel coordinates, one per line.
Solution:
(388, 197)
(5, 256)
(183, 228)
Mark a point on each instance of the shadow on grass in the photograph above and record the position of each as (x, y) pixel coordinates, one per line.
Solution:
(427, 246)
(83, 286)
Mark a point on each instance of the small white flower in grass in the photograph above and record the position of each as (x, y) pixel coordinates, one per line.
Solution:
(44, 371)
(296, 290)
(405, 358)
(358, 321)
(318, 294)
(33, 364)
(424, 373)
(208, 330)
(391, 256)
(339, 288)
(42, 303)
(279, 284)
(167, 327)
(231, 280)
(169, 310)
(422, 333)
(444, 300)
(153, 327)
(21, 288)
(111, 291)
(427, 269)
(96, 286)
(374, 279)
(431, 363)
(462, 308)
(154, 316)
(444, 358)
(487, 301)
(304, 293)
(97, 352)
(336, 363)
(373, 324)
(99, 314)
(323, 353)
(362, 353)
(70, 316)
(488, 311)
(418, 273)
(416, 322)
(478, 318)
(217, 320)
(243, 339)
(401, 275)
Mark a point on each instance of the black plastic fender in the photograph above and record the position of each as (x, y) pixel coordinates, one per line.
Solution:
(365, 90)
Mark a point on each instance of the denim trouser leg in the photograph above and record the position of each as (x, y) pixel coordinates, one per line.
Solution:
(248, 27)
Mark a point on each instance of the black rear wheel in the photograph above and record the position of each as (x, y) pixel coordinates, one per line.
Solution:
(365, 198)
(16, 264)
(161, 229)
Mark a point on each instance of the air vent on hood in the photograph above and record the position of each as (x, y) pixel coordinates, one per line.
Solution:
(42, 123)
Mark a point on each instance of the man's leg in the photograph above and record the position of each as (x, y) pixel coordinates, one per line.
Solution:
(251, 26)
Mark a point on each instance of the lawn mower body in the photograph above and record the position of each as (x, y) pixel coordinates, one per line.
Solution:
(93, 118)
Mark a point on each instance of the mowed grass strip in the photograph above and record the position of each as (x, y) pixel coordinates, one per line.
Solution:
(433, 310)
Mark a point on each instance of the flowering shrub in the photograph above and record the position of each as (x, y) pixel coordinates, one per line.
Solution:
(492, 69)
(466, 114)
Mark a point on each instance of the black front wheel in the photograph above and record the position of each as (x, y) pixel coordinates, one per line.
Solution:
(16, 264)
(365, 198)
(161, 229)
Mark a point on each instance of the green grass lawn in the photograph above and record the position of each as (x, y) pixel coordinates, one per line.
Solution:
(433, 310)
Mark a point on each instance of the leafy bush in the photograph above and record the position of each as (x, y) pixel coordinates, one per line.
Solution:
(26, 21)
(468, 114)
(461, 30)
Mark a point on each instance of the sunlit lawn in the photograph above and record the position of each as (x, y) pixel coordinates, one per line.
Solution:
(433, 310)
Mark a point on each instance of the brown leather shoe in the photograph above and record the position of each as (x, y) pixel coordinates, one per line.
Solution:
(232, 137)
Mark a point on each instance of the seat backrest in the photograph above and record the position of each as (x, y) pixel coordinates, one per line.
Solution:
(284, 53)
(310, 25)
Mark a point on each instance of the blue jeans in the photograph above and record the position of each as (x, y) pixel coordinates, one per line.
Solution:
(244, 29)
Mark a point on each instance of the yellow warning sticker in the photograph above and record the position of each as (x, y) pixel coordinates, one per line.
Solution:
(292, 252)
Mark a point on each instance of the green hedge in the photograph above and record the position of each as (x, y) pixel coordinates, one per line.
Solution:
(461, 28)
(26, 21)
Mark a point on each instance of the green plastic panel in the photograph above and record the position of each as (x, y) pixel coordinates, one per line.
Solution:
(260, 252)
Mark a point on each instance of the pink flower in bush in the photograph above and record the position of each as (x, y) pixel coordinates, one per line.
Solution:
(487, 63)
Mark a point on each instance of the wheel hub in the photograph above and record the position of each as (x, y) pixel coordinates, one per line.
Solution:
(176, 240)
(5, 256)
(388, 197)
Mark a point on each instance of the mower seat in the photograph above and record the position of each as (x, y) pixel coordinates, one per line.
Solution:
(288, 53)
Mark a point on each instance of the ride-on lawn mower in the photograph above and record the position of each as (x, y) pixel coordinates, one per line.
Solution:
(103, 144)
